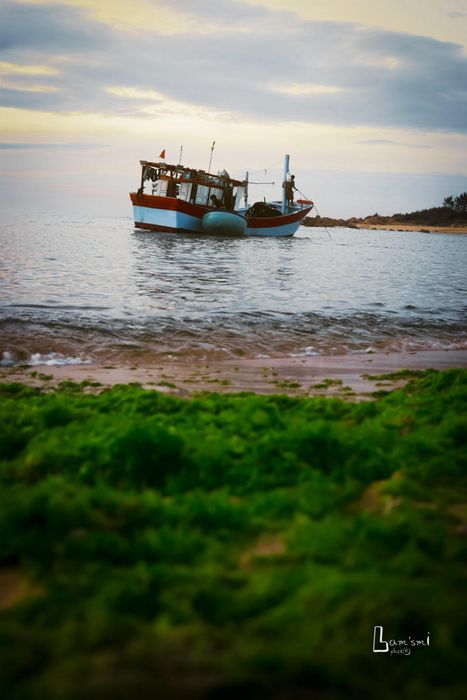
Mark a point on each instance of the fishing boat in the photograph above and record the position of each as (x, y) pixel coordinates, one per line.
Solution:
(181, 199)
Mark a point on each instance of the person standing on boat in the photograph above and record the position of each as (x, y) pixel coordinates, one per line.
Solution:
(289, 186)
(228, 197)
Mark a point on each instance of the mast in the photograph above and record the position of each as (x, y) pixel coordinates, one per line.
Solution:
(210, 159)
(286, 172)
(246, 189)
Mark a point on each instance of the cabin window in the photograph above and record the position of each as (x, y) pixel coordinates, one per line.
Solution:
(184, 191)
(202, 194)
(159, 188)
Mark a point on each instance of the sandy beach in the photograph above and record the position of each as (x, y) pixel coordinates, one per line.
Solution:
(346, 376)
(412, 227)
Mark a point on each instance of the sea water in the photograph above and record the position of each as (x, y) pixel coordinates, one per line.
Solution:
(96, 289)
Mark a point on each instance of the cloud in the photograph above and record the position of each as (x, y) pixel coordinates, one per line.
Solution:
(18, 146)
(306, 89)
(249, 63)
(390, 142)
(379, 142)
(152, 103)
(167, 18)
(457, 15)
(26, 87)
(7, 68)
(27, 29)
(118, 14)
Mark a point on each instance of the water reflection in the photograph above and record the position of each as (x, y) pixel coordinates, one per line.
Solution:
(92, 282)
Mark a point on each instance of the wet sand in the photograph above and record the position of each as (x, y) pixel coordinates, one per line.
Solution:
(345, 376)
(412, 227)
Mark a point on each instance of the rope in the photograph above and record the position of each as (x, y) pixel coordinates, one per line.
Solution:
(325, 227)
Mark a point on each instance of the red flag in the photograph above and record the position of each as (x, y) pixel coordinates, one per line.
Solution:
(162, 154)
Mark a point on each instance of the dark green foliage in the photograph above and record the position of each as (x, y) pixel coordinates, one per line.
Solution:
(436, 216)
(453, 214)
(232, 546)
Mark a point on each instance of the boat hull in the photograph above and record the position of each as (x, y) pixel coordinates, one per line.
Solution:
(178, 216)
(284, 225)
(167, 214)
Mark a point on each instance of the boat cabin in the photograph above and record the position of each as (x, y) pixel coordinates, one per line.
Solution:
(190, 185)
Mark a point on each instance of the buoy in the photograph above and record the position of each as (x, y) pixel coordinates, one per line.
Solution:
(223, 223)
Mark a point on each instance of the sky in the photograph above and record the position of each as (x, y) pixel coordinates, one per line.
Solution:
(369, 98)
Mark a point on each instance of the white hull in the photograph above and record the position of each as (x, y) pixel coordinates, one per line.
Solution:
(167, 219)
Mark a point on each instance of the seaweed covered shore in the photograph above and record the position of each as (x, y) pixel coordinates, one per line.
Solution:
(232, 546)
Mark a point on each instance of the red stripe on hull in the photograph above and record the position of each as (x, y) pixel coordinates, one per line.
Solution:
(151, 201)
(276, 221)
(198, 211)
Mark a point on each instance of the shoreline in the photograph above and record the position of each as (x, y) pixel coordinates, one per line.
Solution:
(344, 376)
(419, 228)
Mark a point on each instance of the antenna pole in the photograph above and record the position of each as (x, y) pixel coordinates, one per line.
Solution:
(210, 160)
(180, 158)
(286, 172)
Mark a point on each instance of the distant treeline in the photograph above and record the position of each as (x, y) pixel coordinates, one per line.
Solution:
(453, 211)
(457, 204)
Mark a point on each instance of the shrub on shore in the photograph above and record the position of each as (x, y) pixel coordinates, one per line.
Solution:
(436, 216)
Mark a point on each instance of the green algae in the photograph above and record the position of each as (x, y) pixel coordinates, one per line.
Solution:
(230, 546)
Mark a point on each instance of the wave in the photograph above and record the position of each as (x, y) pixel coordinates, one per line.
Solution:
(51, 359)
(224, 335)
